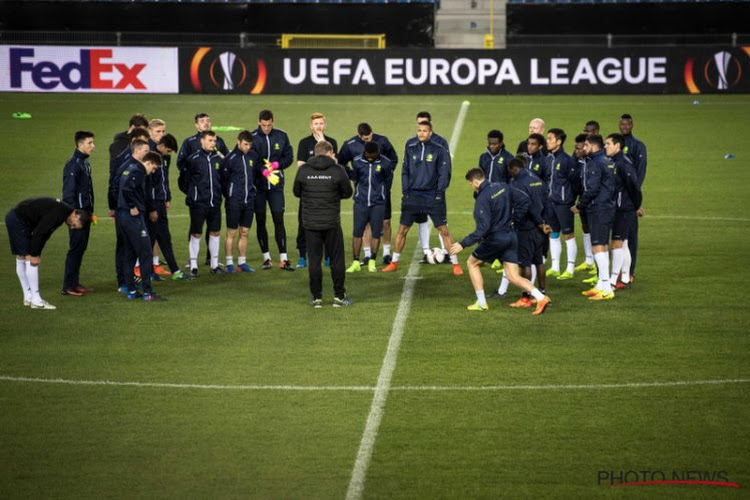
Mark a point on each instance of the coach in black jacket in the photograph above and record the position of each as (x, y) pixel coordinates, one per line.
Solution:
(321, 184)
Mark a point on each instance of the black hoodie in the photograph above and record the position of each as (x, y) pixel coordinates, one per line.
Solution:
(321, 184)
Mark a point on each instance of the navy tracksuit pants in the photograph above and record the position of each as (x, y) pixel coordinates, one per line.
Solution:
(79, 241)
(136, 244)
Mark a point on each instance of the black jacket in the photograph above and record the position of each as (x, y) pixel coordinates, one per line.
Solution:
(321, 184)
(78, 190)
(133, 188)
(42, 216)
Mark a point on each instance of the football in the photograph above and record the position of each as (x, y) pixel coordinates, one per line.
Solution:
(437, 256)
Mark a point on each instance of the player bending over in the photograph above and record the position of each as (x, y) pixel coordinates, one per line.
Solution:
(493, 211)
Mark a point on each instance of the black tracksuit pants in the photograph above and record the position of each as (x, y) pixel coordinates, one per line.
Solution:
(79, 241)
(159, 232)
(136, 245)
(332, 242)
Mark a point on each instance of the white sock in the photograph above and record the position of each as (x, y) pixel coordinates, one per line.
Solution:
(194, 249)
(368, 252)
(442, 243)
(386, 250)
(156, 260)
(213, 251)
(572, 249)
(266, 256)
(454, 259)
(241, 260)
(555, 250)
(396, 256)
(503, 288)
(283, 257)
(602, 262)
(533, 274)
(617, 255)
(587, 248)
(537, 294)
(32, 275)
(481, 300)
(21, 272)
(230, 260)
(424, 235)
(427, 251)
(627, 259)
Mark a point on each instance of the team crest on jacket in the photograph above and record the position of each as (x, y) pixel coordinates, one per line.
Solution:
(429, 157)
(377, 168)
(625, 150)
(216, 165)
(500, 161)
(557, 167)
(276, 146)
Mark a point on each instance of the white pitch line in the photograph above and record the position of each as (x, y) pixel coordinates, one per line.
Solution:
(369, 388)
(377, 408)
(367, 444)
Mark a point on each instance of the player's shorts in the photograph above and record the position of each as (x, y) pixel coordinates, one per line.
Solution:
(416, 209)
(600, 225)
(624, 223)
(583, 214)
(364, 215)
(561, 219)
(19, 234)
(239, 214)
(210, 215)
(274, 198)
(502, 246)
(530, 247)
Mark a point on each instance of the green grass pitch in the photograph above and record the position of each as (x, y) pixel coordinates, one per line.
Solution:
(270, 398)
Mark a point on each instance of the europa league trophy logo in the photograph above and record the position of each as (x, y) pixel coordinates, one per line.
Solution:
(722, 64)
(227, 63)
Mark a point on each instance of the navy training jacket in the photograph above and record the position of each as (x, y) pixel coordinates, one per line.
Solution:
(629, 197)
(599, 188)
(192, 145)
(356, 147)
(426, 170)
(202, 180)
(372, 180)
(495, 166)
(562, 178)
(238, 172)
(274, 147)
(77, 188)
(132, 187)
(493, 212)
(534, 188)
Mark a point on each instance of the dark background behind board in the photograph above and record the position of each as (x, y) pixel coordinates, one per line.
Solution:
(404, 24)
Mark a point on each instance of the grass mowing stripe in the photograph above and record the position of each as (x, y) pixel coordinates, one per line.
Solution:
(398, 212)
(366, 445)
(360, 388)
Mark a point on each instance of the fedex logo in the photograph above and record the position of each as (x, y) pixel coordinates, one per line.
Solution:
(47, 68)
(94, 70)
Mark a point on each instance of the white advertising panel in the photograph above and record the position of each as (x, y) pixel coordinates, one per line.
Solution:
(44, 68)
